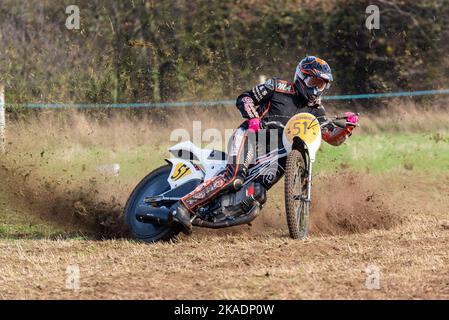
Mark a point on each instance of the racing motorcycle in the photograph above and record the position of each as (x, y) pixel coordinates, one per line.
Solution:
(147, 211)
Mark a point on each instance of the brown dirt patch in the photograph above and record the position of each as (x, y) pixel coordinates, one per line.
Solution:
(348, 203)
(78, 210)
(343, 203)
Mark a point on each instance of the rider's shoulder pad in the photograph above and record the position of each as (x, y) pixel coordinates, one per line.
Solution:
(262, 90)
(270, 83)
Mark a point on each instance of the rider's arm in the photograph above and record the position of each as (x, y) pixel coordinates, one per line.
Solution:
(248, 102)
(333, 135)
(336, 136)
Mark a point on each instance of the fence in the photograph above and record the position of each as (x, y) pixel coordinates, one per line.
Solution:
(188, 104)
(220, 102)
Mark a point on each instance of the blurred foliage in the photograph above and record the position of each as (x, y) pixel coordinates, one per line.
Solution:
(141, 50)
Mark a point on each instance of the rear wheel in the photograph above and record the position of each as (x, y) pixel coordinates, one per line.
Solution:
(296, 206)
(153, 184)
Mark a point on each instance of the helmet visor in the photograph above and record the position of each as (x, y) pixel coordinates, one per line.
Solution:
(318, 83)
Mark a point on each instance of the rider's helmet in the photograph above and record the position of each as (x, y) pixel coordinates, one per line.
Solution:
(312, 76)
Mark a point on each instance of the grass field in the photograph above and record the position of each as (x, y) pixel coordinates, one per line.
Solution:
(382, 199)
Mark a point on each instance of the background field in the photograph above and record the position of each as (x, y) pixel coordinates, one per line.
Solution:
(381, 199)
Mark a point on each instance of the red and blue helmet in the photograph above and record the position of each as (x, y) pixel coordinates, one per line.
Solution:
(312, 76)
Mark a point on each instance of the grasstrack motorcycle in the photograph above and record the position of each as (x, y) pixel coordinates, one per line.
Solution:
(147, 211)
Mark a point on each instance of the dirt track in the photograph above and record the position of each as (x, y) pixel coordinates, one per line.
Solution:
(406, 240)
(230, 267)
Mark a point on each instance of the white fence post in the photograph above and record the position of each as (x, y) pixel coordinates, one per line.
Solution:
(2, 120)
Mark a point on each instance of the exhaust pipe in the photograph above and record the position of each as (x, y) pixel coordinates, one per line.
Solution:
(153, 215)
(161, 216)
(244, 219)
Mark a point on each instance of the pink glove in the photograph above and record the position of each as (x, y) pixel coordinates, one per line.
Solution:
(352, 118)
(254, 125)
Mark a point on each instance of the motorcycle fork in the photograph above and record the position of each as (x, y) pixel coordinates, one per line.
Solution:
(308, 164)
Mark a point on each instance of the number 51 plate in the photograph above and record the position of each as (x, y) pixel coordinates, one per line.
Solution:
(303, 125)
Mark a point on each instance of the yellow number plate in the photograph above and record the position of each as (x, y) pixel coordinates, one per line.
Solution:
(303, 125)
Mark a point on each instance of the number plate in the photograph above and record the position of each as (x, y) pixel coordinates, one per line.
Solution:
(303, 125)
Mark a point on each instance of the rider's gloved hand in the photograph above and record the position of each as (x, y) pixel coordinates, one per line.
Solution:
(351, 118)
(254, 125)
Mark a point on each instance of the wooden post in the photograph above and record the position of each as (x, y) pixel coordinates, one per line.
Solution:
(2, 120)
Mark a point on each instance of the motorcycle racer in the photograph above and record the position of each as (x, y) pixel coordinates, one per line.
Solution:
(273, 98)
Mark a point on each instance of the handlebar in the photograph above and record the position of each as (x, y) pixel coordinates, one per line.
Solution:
(341, 123)
(338, 121)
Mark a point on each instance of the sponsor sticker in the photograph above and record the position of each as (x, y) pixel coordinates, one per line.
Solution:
(181, 170)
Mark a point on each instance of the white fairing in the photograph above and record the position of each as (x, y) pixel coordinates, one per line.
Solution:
(201, 167)
(188, 146)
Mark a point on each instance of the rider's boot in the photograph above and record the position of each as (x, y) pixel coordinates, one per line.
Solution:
(181, 214)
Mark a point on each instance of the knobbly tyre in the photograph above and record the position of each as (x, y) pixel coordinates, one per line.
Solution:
(147, 212)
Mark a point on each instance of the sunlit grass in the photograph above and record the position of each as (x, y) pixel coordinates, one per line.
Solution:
(380, 153)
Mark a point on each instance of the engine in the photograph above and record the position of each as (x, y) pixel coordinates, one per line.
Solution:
(238, 203)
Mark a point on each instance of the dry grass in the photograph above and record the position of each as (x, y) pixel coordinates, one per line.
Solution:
(404, 116)
(74, 130)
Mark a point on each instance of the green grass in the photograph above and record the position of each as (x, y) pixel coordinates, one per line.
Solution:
(132, 161)
(16, 223)
(426, 153)
(376, 154)
(79, 164)
(28, 231)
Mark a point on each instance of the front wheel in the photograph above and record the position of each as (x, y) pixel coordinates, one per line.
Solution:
(297, 205)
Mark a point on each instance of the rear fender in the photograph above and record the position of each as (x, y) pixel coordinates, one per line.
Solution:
(189, 152)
